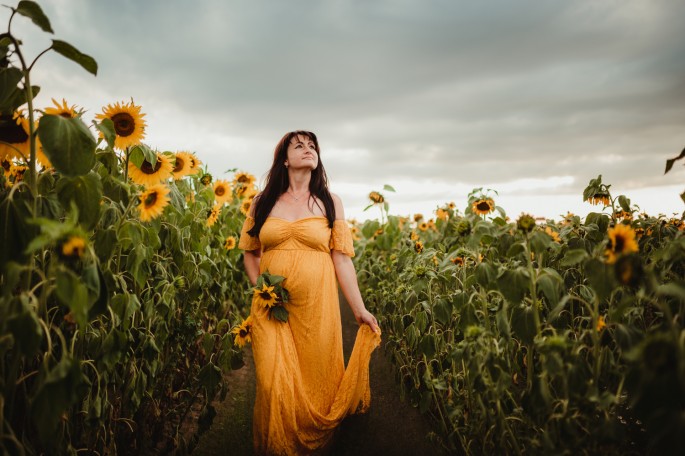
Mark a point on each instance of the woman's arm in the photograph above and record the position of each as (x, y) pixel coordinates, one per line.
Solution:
(347, 277)
(251, 259)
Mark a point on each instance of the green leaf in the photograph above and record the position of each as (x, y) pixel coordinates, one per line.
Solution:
(513, 284)
(210, 377)
(516, 249)
(280, 313)
(539, 242)
(68, 143)
(427, 345)
(73, 294)
(86, 192)
(486, 274)
(388, 187)
(523, 323)
(70, 52)
(34, 12)
(20, 97)
(26, 329)
(442, 311)
(9, 78)
(106, 127)
(600, 277)
(624, 203)
(550, 284)
(671, 161)
(573, 257)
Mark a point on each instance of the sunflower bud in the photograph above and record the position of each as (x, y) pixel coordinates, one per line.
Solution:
(464, 227)
(376, 198)
(206, 179)
(525, 223)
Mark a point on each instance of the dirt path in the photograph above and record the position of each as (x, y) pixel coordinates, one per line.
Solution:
(391, 427)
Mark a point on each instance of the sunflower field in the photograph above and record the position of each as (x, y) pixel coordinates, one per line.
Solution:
(120, 291)
(534, 336)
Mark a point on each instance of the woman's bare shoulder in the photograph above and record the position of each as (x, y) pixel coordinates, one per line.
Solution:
(338, 205)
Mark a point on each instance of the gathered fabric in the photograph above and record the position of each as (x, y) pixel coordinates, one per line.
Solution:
(303, 388)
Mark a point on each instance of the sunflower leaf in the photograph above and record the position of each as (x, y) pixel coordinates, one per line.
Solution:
(85, 191)
(388, 188)
(67, 50)
(624, 203)
(671, 161)
(106, 127)
(34, 12)
(9, 78)
(280, 313)
(68, 143)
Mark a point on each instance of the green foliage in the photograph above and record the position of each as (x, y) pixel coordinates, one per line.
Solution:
(516, 342)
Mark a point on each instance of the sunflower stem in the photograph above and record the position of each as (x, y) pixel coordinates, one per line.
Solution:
(128, 151)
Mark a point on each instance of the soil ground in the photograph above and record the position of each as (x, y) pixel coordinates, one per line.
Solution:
(391, 427)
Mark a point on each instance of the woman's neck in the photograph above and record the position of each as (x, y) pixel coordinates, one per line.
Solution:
(299, 181)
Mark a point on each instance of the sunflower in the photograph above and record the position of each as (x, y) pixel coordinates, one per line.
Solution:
(245, 191)
(452, 205)
(230, 243)
(194, 164)
(129, 125)
(418, 217)
(206, 179)
(423, 226)
(266, 296)
(376, 198)
(222, 192)
(442, 214)
(459, 261)
(600, 198)
(621, 241)
(213, 214)
(623, 215)
(243, 178)
(62, 110)
(16, 174)
(418, 246)
(355, 233)
(14, 136)
(245, 206)
(182, 165)
(483, 206)
(525, 223)
(243, 333)
(431, 225)
(153, 200)
(601, 323)
(74, 247)
(413, 236)
(150, 175)
(553, 234)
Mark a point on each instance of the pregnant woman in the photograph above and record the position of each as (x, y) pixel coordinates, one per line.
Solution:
(296, 229)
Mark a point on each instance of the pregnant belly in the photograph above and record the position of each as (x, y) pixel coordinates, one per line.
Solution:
(302, 269)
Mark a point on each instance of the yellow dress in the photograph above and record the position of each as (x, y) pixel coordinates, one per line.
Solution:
(303, 388)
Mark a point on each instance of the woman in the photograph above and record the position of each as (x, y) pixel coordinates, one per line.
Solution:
(296, 229)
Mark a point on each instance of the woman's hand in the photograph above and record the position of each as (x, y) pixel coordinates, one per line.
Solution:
(366, 317)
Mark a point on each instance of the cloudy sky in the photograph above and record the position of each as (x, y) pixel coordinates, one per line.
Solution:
(434, 97)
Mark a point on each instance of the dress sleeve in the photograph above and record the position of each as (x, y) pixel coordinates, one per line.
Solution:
(341, 238)
(248, 242)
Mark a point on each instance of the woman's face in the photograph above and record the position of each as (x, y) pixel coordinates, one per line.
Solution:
(302, 153)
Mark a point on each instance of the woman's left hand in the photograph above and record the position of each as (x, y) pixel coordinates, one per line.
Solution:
(366, 317)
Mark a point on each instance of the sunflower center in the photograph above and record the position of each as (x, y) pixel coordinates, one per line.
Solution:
(150, 199)
(619, 244)
(124, 123)
(6, 165)
(179, 164)
(66, 114)
(483, 206)
(220, 191)
(10, 132)
(265, 295)
(243, 332)
(146, 167)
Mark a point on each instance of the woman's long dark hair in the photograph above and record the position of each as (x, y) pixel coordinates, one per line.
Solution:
(277, 183)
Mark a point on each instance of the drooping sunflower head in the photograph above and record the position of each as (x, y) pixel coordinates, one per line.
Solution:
(418, 217)
(525, 223)
(14, 136)
(621, 242)
(153, 200)
(243, 178)
(182, 165)
(63, 110)
(265, 296)
(623, 215)
(376, 198)
(73, 247)
(128, 121)
(602, 198)
(230, 243)
(243, 333)
(213, 214)
(222, 192)
(483, 206)
(149, 174)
